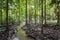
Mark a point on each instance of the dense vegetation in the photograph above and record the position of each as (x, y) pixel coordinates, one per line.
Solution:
(17, 9)
(20, 11)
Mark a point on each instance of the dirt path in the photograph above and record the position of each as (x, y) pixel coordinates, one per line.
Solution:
(21, 34)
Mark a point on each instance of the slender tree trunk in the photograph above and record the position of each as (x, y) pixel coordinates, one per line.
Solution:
(42, 12)
(19, 11)
(42, 17)
(35, 11)
(29, 13)
(7, 27)
(7, 24)
(1, 12)
(45, 11)
(26, 14)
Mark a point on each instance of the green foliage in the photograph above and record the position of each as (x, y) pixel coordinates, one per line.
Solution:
(17, 9)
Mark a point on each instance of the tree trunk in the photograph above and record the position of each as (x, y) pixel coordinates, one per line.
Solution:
(45, 11)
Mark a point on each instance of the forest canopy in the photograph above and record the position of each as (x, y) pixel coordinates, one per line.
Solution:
(17, 9)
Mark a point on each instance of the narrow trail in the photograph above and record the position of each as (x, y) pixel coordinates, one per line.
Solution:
(21, 34)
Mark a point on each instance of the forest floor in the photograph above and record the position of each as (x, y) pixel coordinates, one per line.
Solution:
(21, 34)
